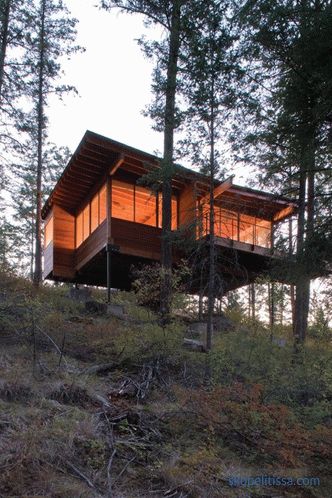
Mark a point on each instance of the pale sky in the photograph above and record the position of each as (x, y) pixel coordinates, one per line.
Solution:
(113, 80)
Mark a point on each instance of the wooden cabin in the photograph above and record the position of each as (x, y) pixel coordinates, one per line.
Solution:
(100, 219)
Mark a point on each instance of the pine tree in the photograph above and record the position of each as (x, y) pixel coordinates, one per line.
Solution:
(290, 43)
(8, 244)
(14, 18)
(208, 89)
(24, 197)
(172, 16)
(15, 22)
(52, 36)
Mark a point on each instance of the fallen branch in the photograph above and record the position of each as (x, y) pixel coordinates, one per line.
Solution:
(96, 369)
(100, 399)
(54, 344)
(81, 475)
(124, 469)
(109, 477)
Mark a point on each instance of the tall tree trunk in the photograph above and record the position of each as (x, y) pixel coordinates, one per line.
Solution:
(200, 299)
(271, 299)
(282, 304)
(5, 13)
(305, 233)
(252, 294)
(211, 285)
(169, 126)
(37, 278)
(292, 286)
(299, 286)
(32, 241)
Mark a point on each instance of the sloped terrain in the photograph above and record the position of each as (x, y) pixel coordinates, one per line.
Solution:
(95, 406)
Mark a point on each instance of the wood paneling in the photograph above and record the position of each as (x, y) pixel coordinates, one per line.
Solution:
(64, 243)
(136, 239)
(91, 246)
(187, 206)
(48, 260)
(48, 231)
(48, 245)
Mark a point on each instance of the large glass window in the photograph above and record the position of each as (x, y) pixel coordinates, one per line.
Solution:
(145, 206)
(174, 211)
(122, 200)
(136, 203)
(94, 213)
(48, 232)
(263, 233)
(91, 216)
(246, 229)
(86, 222)
(79, 229)
(226, 223)
(237, 226)
(102, 204)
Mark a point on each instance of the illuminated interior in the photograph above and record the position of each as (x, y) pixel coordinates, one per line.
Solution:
(145, 206)
(139, 204)
(174, 211)
(123, 195)
(93, 214)
(238, 226)
(48, 232)
(129, 202)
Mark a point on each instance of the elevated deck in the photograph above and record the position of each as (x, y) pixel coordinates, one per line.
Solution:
(238, 263)
(101, 211)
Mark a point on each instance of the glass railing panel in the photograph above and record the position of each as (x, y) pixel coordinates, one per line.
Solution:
(237, 226)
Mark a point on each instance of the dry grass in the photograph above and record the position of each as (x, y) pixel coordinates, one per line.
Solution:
(60, 426)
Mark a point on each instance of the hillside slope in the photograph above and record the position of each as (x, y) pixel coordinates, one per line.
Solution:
(94, 406)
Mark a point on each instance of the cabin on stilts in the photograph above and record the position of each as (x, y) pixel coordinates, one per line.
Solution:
(100, 219)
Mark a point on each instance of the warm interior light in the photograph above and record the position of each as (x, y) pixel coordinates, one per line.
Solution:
(91, 216)
(48, 232)
(122, 200)
(237, 226)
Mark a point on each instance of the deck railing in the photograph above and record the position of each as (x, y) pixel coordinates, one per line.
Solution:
(235, 226)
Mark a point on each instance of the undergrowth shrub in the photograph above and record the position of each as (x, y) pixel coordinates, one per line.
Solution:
(144, 342)
(236, 417)
(147, 285)
(299, 380)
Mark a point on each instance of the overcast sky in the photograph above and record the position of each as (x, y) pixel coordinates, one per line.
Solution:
(113, 80)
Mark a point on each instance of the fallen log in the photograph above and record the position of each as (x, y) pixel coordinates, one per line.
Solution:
(98, 369)
(194, 345)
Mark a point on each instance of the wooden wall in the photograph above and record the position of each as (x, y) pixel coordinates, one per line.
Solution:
(48, 260)
(91, 246)
(136, 239)
(48, 252)
(63, 261)
(63, 243)
(187, 206)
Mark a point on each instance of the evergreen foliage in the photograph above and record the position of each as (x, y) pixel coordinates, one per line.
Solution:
(288, 69)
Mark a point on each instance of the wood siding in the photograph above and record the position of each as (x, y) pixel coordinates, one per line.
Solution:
(48, 260)
(136, 239)
(91, 246)
(48, 250)
(63, 243)
(187, 206)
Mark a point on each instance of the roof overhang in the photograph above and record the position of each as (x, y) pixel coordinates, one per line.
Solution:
(258, 203)
(97, 157)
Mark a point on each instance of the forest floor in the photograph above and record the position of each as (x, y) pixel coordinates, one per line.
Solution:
(94, 406)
